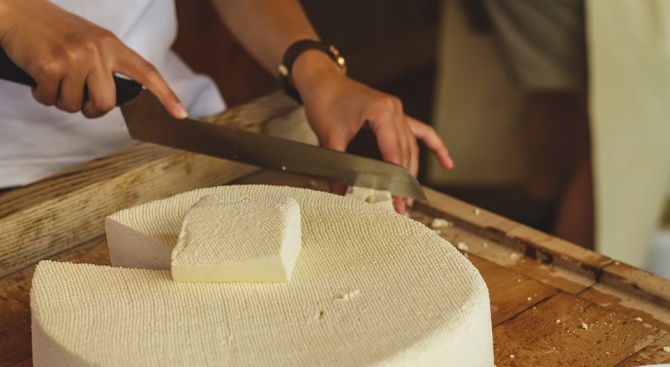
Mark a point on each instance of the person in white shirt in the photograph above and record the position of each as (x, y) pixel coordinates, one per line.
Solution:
(66, 45)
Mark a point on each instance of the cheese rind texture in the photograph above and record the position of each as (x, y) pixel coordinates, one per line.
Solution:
(371, 288)
(233, 238)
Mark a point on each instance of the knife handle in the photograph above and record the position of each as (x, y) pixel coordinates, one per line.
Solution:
(126, 89)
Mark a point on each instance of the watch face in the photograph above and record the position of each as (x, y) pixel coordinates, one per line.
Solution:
(283, 71)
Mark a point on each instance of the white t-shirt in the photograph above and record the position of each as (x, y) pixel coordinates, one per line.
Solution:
(37, 141)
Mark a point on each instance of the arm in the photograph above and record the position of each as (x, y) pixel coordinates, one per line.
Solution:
(64, 53)
(336, 106)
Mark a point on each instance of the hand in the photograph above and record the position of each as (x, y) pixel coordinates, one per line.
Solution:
(337, 107)
(64, 53)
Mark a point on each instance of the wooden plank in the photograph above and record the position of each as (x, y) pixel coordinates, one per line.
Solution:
(633, 291)
(566, 330)
(548, 259)
(655, 353)
(511, 257)
(511, 293)
(65, 210)
(644, 285)
(464, 215)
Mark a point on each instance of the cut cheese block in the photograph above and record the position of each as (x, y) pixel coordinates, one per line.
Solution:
(381, 198)
(371, 288)
(233, 238)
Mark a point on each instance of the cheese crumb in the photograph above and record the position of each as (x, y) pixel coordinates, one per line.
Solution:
(584, 326)
(666, 349)
(511, 355)
(638, 319)
(440, 223)
(514, 256)
(558, 321)
(477, 211)
(463, 246)
(349, 295)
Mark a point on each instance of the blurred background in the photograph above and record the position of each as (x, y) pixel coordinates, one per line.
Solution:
(445, 60)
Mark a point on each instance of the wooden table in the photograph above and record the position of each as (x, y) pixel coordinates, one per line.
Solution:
(553, 303)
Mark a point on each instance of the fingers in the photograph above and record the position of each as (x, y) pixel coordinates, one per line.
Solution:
(337, 189)
(432, 140)
(396, 142)
(68, 56)
(71, 93)
(46, 92)
(101, 94)
(337, 113)
(386, 121)
(146, 74)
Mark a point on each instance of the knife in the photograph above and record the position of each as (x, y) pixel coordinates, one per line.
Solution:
(147, 120)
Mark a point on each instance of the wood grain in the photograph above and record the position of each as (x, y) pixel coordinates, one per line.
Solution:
(654, 353)
(67, 209)
(568, 331)
(551, 260)
(511, 293)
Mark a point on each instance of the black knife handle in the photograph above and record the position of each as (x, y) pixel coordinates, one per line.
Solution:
(126, 89)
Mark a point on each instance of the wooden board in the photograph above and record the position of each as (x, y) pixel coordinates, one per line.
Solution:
(553, 303)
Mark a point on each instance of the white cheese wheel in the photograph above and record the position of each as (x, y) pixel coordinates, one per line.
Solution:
(234, 238)
(371, 288)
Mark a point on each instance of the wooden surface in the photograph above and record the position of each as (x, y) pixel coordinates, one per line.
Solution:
(552, 303)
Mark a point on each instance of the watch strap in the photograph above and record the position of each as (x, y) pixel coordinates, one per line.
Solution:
(294, 51)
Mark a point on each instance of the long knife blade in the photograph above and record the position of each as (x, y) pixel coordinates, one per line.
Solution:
(148, 121)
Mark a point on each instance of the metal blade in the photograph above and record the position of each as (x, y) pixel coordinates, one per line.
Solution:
(148, 121)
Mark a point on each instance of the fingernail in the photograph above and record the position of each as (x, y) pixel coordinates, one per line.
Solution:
(180, 111)
(450, 162)
(410, 203)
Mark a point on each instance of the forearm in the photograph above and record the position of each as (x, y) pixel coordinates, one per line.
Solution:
(336, 106)
(266, 28)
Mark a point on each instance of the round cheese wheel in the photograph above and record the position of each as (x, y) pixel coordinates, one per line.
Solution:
(369, 288)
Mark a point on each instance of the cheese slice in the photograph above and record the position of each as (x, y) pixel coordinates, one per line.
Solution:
(371, 288)
(233, 238)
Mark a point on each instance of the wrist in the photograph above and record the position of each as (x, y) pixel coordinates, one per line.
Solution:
(307, 64)
(312, 69)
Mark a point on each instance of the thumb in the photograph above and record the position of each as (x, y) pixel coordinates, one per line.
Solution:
(334, 142)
